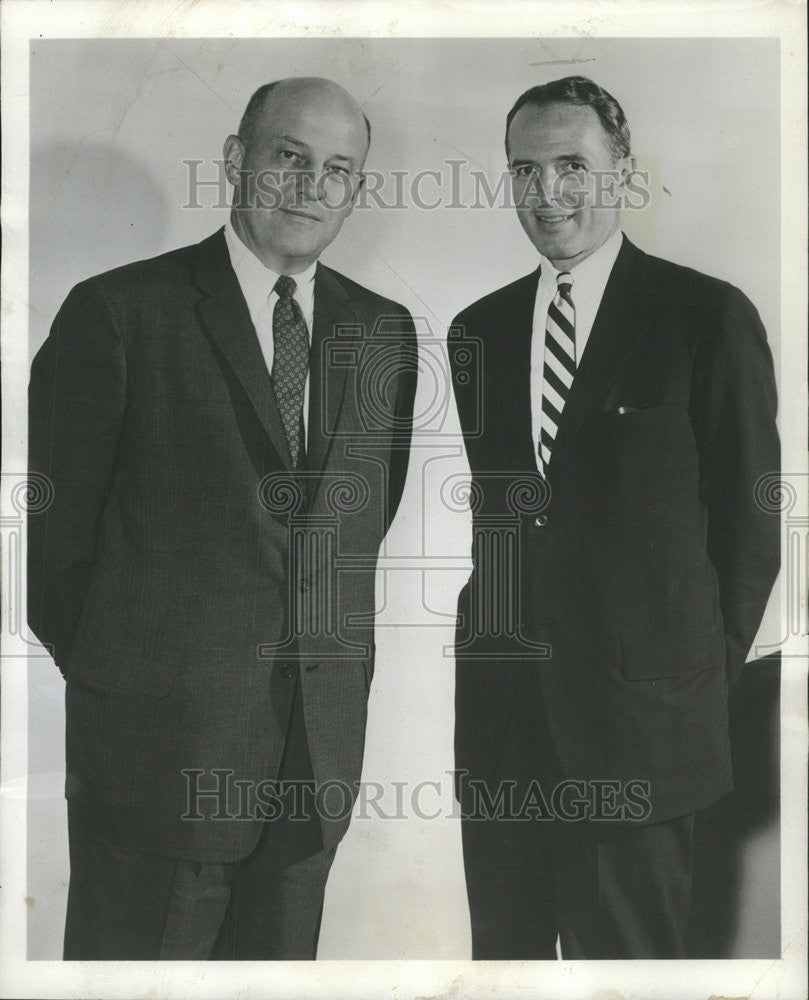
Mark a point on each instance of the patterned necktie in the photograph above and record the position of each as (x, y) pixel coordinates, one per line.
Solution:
(560, 363)
(290, 362)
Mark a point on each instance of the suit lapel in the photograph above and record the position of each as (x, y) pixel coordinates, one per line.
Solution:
(626, 310)
(329, 368)
(517, 327)
(226, 320)
(513, 345)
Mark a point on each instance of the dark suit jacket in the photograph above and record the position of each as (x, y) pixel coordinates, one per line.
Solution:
(169, 572)
(649, 569)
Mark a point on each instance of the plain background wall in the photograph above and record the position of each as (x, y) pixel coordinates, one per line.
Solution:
(112, 123)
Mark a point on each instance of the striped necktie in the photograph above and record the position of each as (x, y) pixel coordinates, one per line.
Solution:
(290, 363)
(560, 364)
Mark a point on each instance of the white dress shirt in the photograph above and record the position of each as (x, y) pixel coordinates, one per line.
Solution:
(589, 281)
(257, 283)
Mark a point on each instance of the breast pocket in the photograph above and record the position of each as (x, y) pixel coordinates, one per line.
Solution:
(643, 456)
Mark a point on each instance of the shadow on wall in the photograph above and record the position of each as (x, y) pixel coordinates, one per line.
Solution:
(737, 841)
(92, 207)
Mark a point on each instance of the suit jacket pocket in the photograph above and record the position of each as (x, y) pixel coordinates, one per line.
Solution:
(134, 632)
(121, 670)
(639, 458)
(649, 654)
(122, 650)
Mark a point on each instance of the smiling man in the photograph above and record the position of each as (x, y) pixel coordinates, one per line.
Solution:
(637, 397)
(202, 436)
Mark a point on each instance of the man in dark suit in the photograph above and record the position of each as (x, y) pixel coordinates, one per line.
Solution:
(205, 574)
(623, 412)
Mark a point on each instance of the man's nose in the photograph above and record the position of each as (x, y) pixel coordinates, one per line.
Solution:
(547, 179)
(541, 186)
(306, 185)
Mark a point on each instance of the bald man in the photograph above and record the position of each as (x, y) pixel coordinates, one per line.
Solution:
(219, 456)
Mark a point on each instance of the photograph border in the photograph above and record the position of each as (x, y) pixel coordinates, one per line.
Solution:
(449, 980)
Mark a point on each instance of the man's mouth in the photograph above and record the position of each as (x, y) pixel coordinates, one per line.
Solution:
(300, 214)
(551, 219)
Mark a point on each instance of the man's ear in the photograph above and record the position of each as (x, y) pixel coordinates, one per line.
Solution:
(626, 168)
(233, 155)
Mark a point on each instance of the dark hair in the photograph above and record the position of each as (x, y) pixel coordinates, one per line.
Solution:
(255, 106)
(580, 90)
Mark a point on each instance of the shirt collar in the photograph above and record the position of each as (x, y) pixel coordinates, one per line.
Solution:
(594, 269)
(257, 280)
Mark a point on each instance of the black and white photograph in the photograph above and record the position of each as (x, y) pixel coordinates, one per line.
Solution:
(404, 501)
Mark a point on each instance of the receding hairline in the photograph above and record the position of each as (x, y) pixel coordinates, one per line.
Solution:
(579, 91)
(255, 108)
(528, 106)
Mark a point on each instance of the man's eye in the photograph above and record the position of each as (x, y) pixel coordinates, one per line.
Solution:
(342, 171)
(290, 156)
(576, 166)
(522, 170)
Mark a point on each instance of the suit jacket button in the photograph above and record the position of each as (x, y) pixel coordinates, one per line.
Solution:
(541, 521)
(303, 586)
(288, 670)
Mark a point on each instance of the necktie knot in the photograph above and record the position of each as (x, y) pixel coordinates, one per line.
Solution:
(564, 282)
(285, 287)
